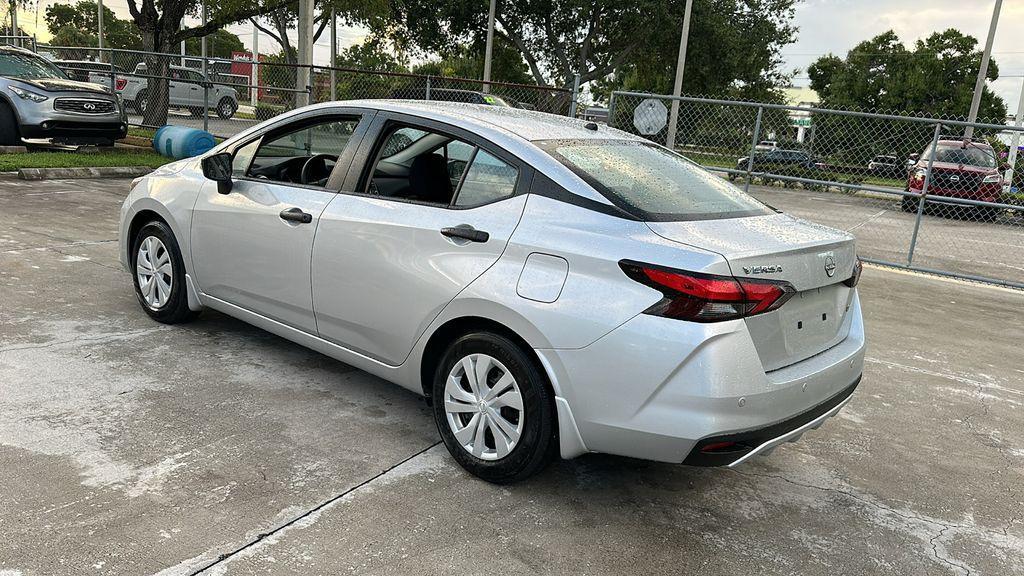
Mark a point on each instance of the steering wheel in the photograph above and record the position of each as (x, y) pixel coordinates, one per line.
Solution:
(315, 162)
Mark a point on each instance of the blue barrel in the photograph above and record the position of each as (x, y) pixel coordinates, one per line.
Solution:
(182, 142)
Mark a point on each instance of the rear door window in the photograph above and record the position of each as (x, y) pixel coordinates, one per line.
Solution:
(650, 182)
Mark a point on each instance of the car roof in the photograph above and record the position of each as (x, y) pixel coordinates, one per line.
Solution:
(18, 50)
(526, 124)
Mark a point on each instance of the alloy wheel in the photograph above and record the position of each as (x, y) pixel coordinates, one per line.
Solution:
(154, 271)
(484, 407)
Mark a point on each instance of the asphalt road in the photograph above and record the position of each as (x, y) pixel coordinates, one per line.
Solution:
(128, 447)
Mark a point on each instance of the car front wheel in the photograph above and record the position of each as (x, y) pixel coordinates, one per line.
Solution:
(159, 274)
(494, 409)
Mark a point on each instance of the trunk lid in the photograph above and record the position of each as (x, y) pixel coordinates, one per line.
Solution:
(815, 259)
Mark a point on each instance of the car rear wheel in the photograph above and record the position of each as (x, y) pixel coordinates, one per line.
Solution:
(9, 135)
(142, 102)
(159, 274)
(909, 204)
(226, 108)
(494, 409)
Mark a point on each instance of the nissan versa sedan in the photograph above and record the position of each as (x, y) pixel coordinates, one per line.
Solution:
(551, 286)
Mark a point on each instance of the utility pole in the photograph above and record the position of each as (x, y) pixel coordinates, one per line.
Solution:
(979, 85)
(14, 23)
(99, 25)
(1015, 139)
(334, 53)
(677, 88)
(182, 27)
(490, 46)
(305, 49)
(255, 82)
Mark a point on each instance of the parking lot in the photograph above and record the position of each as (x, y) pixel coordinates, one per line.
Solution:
(129, 447)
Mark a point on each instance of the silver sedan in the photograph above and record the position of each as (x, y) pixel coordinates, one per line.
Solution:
(551, 286)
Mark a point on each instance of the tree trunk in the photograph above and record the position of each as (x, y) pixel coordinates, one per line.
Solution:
(157, 88)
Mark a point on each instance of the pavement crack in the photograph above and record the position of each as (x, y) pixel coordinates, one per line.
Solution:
(264, 535)
(55, 247)
(934, 542)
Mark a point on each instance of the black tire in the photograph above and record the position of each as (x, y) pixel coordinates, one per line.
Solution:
(226, 108)
(9, 135)
(175, 310)
(141, 102)
(538, 442)
(909, 204)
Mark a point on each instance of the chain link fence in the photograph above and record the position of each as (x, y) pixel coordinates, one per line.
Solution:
(937, 195)
(225, 96)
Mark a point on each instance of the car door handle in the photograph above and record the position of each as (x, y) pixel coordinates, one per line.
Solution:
(466, 233)
(296, 215)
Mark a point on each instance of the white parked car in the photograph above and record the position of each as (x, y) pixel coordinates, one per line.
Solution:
(550, 285)
(187, 90)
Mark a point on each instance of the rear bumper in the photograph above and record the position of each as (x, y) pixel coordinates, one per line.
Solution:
(656, 388)
(734, 449)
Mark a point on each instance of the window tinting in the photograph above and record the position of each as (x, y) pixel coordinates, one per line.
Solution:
(488, 179)
(652, 183)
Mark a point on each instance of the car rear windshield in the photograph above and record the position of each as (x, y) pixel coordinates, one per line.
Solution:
(652, 183)
(28, 67)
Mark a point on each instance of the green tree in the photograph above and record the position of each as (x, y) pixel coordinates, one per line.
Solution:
(220, 44)
(733, 42)
(77, 23)
(467, 61)
(733, 52)
(936, 77)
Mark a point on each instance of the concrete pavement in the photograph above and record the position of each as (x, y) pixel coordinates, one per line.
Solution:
(127, 447)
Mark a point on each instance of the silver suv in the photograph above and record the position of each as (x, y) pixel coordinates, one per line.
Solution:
(39, 103)
(185, 91)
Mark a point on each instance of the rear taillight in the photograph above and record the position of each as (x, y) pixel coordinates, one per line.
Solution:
(705, 297)
(853, 280)
(120, 83)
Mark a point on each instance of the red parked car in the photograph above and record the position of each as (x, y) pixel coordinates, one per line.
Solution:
(962, 169)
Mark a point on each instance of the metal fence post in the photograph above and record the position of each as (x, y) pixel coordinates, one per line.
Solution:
(753, 147)
(575, 96)
(113, 74)
(428, 87)
(924, 194)
(611, 110)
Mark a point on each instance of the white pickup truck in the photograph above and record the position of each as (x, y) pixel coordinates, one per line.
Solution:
(185, 92)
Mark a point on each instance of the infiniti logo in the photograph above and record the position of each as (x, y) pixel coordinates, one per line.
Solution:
(89, 106)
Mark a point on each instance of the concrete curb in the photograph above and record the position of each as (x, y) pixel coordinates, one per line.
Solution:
(13, 149)
(72, 173)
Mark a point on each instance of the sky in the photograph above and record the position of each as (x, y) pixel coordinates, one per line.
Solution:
(825, 26)
(838, 25)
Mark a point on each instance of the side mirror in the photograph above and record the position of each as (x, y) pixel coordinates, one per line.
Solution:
(218, 168)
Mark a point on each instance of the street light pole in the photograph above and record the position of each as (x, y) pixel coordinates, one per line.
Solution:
(979, 85)
(334, 53)
(677, 88)
(1011, 160)
(490, 46)
(99, 25)
(303, 72)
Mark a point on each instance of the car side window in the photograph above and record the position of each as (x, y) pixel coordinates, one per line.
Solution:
(487, 180)
(304, 155)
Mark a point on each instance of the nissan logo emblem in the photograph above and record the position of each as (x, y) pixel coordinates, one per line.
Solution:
(830, 266)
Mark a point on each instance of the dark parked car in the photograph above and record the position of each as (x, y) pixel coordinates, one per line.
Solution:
(88, 70)
(777, 160)
(961, 169)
